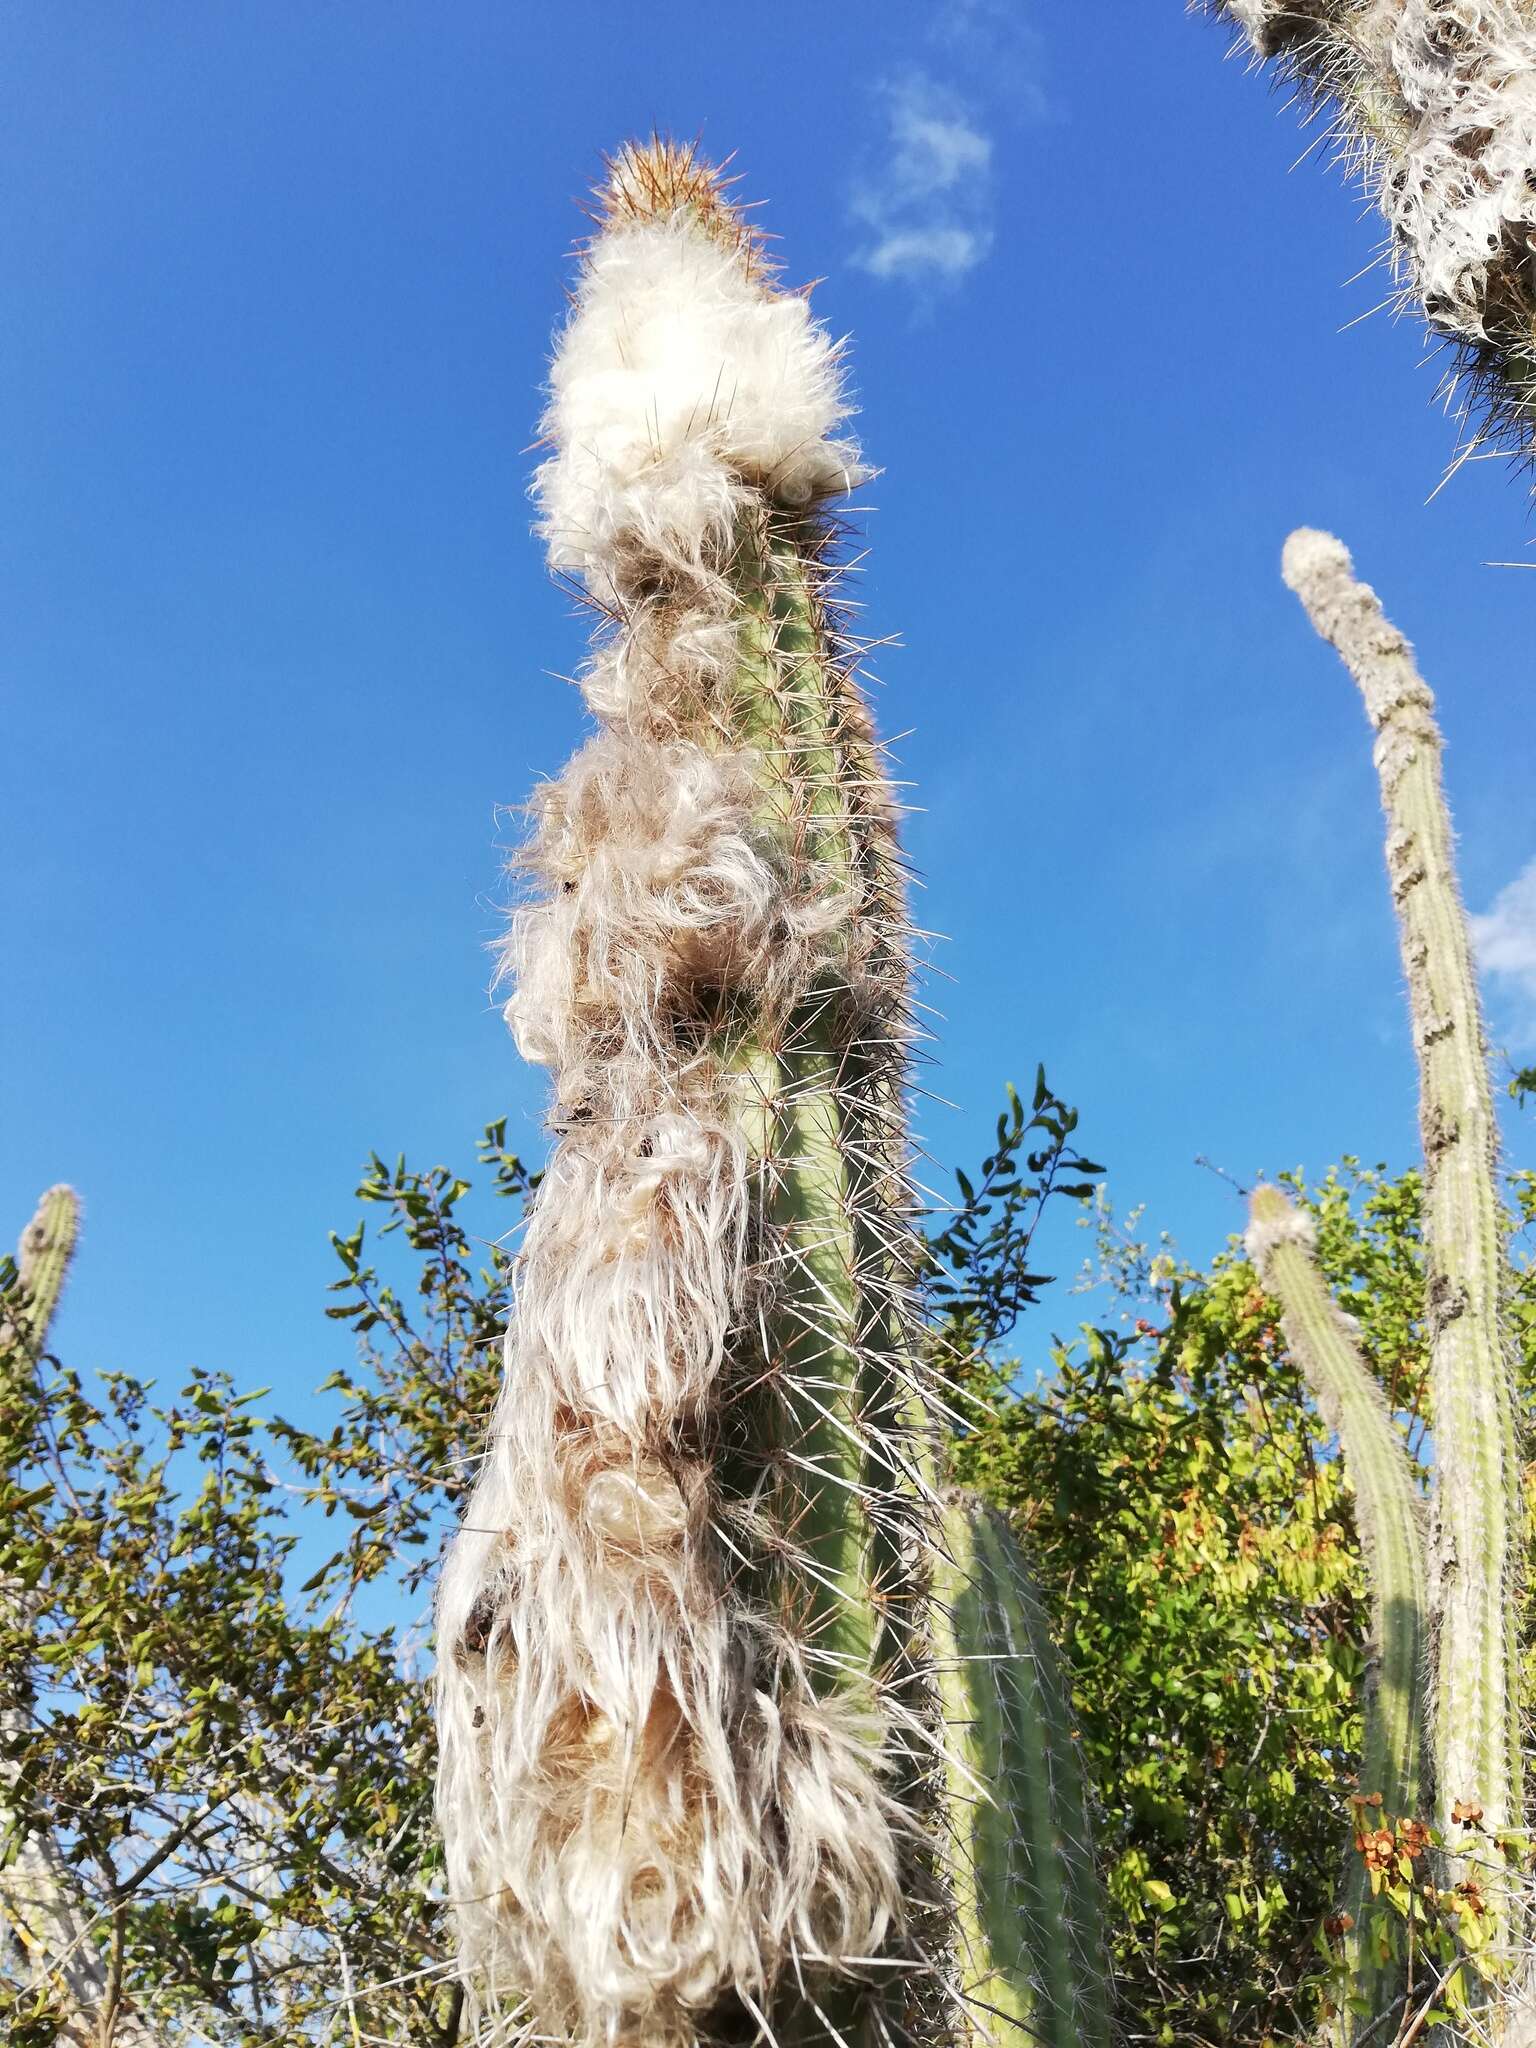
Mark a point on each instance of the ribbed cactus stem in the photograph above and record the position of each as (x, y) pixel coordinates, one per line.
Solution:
(1474, 1548)
(1031, 1951)
(1282, 1244)
(815, 1121)
(687, 1717)
(1435, 102)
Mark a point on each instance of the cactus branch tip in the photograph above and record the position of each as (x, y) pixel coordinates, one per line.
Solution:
(1347, 613)
(661, 179)
(1273, 1220)
(1308, 554)
(57, 1214)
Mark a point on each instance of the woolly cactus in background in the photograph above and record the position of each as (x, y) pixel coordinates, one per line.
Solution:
(1281, 1242)
(691, 1771)
(1435, 105)
(1474, 1551)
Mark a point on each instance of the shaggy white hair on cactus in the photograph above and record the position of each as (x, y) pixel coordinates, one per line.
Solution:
(677, 380)
(1266, 1232)
(631, 1276)
(656, 887)
(657, 1786)
(1463, 201)
(665, 667)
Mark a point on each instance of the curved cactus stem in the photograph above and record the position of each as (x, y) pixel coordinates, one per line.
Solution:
(1475, 1563)
(1031, 1951)
(1281, 1242)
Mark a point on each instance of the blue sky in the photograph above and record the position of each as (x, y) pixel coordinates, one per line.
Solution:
(276, 651)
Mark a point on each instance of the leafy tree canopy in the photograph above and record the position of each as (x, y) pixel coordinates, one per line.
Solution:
(216, 1758)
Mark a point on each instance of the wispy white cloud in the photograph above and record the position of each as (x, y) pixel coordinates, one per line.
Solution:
(997, 44)
(1505, 938)
(925, 194)
(926, 205)
(946, 252)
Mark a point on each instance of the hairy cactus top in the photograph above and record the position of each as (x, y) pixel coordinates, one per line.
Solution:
(684, 382)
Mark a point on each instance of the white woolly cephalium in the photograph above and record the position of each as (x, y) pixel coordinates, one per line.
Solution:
(663, 1785)
(680, 387)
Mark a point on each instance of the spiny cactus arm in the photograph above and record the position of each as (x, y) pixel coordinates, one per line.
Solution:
(1031, 1954)
(1434, 103)
(1281, 1242)
(1474, 1550)
(827, 1122)
(1339, 52)
(686, 1723)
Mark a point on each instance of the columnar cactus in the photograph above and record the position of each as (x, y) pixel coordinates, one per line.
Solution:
(1028, 1910)
(1475, 1539)
(690, 1751)
(1281, 1242)
(1436, 104)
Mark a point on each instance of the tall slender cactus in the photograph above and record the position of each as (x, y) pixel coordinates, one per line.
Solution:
(691, 1762)
(676, 1704)
(1475, 1540)
(1434, 104)
(1281, 1242)
(43, 1261)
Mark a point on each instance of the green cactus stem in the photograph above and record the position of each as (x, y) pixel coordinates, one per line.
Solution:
(821, 1109)
(1031, 1949)
(1282, 1244)
(1474, 1554)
